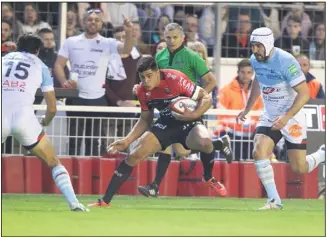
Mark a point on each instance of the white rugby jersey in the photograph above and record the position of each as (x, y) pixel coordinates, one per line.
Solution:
(276, 77)
(89, 59)
(22, 74)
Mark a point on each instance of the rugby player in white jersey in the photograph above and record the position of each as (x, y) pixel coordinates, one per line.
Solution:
(284, 90)
(22, 74)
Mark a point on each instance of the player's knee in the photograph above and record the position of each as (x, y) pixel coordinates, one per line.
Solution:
(206, 145)
(135, 158)
(259, 153)
(52, 162)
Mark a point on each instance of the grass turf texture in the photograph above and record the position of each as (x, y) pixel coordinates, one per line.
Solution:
(48, 215)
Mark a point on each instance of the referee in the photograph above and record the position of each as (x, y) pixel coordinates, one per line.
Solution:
(179, 57)
(88, 54)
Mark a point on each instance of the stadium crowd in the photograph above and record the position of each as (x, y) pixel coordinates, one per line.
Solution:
(296, 30)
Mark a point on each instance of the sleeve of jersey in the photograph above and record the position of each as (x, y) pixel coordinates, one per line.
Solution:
(293, 72)
(113, 45)
(200, 66)
(64, 50)
(188, 88)
(141, 98)
(47, 81)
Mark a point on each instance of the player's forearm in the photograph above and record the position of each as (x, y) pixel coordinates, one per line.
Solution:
(203, 105)
(59, 73)
(210, 86)
(140, 127)
(129, 43)
(254, 94)
(49, 115)
(299, 101)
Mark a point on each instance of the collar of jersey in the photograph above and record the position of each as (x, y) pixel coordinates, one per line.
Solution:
(177, 50)
(95, 38)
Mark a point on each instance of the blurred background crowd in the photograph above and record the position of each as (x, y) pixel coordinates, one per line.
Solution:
(299, 28)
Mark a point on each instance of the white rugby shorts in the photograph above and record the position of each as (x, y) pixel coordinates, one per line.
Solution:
(22, 124)
(295, 130)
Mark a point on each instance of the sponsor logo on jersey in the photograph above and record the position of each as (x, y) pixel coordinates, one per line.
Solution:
(269, 90)
(292, 69)
(97, 50)
(76, 48)
(295, 130)
(86, 69)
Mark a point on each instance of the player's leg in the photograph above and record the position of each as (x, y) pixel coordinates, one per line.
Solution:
(198, 139)
(295, 137)
(147, 145)
(5, 125)
(264, 142)
(28, 131)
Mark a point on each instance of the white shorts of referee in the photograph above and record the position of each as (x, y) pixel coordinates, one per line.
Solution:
(22, 124)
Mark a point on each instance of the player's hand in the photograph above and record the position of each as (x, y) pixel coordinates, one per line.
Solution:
(128, 25)
(280, 122)
(135, 89)
(70, 84)
(188, 115)
(125, 103)
(117, 146)
(10, 45)
(241, 117)
(43, 122)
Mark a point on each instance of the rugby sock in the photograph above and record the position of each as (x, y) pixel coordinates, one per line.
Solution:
(162, 166)
(62, 180)
(266, 174)
(120, 175)
(315, 159)
(207, 162)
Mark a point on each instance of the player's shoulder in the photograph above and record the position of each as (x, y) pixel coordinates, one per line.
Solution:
(75, 38)
(189, 51)
(172, 73)
(283, 55)
(140, 91)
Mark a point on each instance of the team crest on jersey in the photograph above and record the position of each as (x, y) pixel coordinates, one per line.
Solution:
(97, 41)
(167, 91)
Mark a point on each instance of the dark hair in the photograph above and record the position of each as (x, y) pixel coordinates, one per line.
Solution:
(243, 63)
(294, 18)
(118, 29)
(5, 20)
(145, 63)
(44, 30)
(29, 42)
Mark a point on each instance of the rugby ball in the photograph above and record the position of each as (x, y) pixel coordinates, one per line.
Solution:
(177, 105)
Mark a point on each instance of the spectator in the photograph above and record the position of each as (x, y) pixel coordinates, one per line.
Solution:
(158, 35)
(141, 46)
(85, 6)
(8, 14)
(237, 44)
(271, 21)
(31, 22)
(117, 10)
(149, 15)
(121, 77)
(48, 53)
(298, 12)
(190, 25)
(317, 46)
(234, 96)
(6, 42)
(88, 54)
(179, 16)
(315, 88)
(292, 41)
(207, 24)
(201, 49)
(72, 28)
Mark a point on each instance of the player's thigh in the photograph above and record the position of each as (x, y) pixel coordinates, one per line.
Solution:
(147, 145)
(167, 133)
(265, 140)
(180, 150)
(167, 151)
(198, 138)
(5, 125)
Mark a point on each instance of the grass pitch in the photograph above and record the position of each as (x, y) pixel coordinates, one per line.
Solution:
(48, 215)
